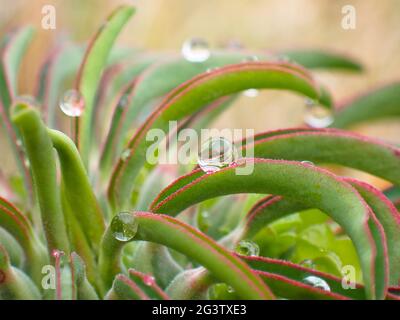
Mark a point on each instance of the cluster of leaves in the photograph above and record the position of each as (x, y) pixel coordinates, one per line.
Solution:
(68, 190)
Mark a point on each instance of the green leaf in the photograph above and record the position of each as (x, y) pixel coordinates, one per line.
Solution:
(378, 104)
(92, 66)
(82, 287)
(14, 284)
(197, 93)
(334, 146)
(190, 242)
(305, 184)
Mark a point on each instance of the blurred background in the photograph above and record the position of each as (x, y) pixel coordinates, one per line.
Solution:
(256, 24)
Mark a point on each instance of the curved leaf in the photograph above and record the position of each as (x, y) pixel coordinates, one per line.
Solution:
(302, 183)
(78, 190)
(334, 146)
(92, 66)
(192, 243)
(40, 152)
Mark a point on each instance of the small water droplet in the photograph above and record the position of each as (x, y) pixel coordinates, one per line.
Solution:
(230, 289)
(247, 248)
(57, 253)
(125, 154)
(124, 226)
(234, 44)
(317, 282)
(317, 116)
(18, 143)
(251, 93)
(252, 58)
(308, 263)
(27, 163)
(310, 163)
(211, 69)
(72, 103)
(215, 154)
(149, 280)
(195, 50)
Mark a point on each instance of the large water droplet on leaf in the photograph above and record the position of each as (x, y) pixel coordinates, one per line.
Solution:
(317, 282)
(215, 154)
(196, 50)
(247, 248)
(72, 103)
(317, 116)
(124, 226)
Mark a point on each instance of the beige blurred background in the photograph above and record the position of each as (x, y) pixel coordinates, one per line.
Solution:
(257, 24)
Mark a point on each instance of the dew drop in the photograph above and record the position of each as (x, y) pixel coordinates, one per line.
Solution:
(317, 282)
(124, 226)
(251, 59)
(125, 154)
(196, 50)
(149, 280)
(317, 116)
(230, 289)
(72, 103)
(247, 248)
(251, 93)
(310, 163)
(18, 143)
(215, 154)
(123, 101)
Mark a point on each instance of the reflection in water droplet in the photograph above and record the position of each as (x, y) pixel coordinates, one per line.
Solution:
(317, 282)
(196, 50)
(125, 154)
(215, 154)
(72, 103)
(308, 162)
(149, 280)
(317, 116)
(247, 248)
(124, 226)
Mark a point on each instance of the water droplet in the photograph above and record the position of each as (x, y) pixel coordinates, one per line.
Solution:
(317, 116)
(149, 280)
(18, 143)
(215, 154)
(72, 103)
(125, 154)
(196, 50)
(251, 93)
(123, 101)
(310, 163)
(124, 226)
(308, 263)
(317, 282)
(251, 59)
(247, 248)
(230, 289)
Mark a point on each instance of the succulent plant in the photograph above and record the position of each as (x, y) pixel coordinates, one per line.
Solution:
(88, 217)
